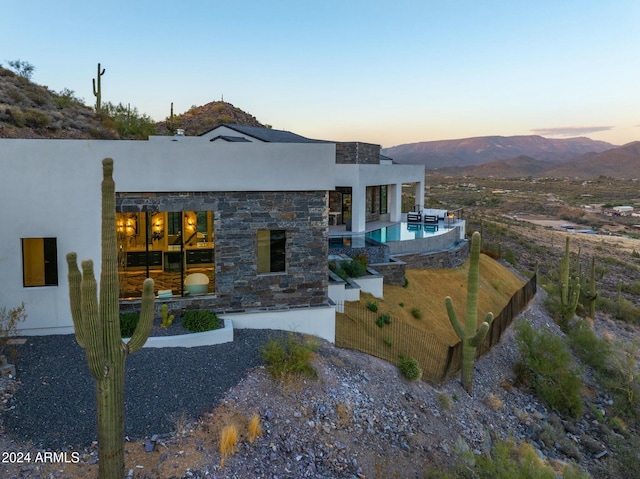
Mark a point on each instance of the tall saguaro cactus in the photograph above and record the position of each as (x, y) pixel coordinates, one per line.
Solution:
(591, 293)
(470, 335)
(569, 288)
(97, 92)
(97, 327)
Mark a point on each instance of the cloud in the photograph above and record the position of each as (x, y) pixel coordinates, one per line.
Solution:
(570, 130)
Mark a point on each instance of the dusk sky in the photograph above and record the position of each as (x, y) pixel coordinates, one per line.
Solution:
(386, 72)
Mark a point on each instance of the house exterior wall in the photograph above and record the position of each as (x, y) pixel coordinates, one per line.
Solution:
(51, 188)
(237, 218)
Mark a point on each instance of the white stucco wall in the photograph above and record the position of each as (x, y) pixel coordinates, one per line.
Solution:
(51, 188)
(358, 177)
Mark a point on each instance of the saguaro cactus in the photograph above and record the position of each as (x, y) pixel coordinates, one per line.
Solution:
(569, 288)
(470, 335)
(97, 328)
(591, 293)
(97, 92)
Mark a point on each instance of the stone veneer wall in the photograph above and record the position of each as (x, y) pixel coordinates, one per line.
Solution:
(393, 271)
(237, 218)
(350, 153)
(450, 258)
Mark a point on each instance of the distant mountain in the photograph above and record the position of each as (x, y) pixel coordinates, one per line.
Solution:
(200, 119)
(485, 149)
(621, 162)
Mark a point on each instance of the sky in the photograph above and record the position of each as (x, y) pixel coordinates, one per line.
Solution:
(384, 72)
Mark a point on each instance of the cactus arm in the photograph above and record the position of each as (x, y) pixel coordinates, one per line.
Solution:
(141, 333)
(482, 331)
(91, 322)
(97, 92)
(453, 318)
(75, 279)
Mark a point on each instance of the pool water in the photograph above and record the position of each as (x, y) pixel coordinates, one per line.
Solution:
(404, 232)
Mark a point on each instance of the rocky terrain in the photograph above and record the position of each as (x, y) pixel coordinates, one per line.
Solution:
(361, 419)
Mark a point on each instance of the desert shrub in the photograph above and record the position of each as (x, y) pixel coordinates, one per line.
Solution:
(591, 349)
(65, 98)
(620, 308)
(510, 257)
(16, 117)
(128, 323)
(337, 269)
(362, 259)
(354, 269)
(36, 119)
(547, 366)
(406, 283)
(37, 95)
(410, 368)
(372, 306)
(198, 321)
(416, 313)
(290, 357)
(511, 461)
(9, 321)
(388, 341)
(621, 377)
(379, 322)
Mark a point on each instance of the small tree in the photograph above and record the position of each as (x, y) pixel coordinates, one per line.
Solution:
(22, 69)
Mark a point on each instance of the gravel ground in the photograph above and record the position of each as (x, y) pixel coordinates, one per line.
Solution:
(55, 404)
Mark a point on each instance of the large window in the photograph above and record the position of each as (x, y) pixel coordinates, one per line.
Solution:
(174, 248)
(271, 251)
(39, 262)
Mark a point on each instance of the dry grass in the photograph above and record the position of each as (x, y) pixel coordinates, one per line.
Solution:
(254, 428)
(428, 287)
(228, 442)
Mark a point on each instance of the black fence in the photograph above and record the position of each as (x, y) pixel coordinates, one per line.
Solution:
(356, 329)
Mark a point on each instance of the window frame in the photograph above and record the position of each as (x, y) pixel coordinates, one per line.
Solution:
(49, 265)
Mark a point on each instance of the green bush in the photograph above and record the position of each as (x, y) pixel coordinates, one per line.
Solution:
(388, 341)
(372, 306)
(547, 366)
(354, 269)
(410, 368)
(290, 357)
(128, 323)
(337, 269)
(36, 119)
(591, 349)
(406, 283)
(200, 321)
(416, 313)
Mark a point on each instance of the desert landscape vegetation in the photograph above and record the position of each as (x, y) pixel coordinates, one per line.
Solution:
(558, 397)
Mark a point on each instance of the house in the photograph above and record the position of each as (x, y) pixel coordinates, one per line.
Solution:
(245, 208)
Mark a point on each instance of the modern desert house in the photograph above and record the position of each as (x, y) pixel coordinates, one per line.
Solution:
(235, 220)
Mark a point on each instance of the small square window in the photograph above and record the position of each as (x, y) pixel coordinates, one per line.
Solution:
(271, 251)
(39, 262)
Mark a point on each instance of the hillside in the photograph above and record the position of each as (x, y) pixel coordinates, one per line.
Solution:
(29, 110)
(199, 120)
(479, 150)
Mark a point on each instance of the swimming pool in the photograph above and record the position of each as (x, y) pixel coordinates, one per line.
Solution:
(405, 231)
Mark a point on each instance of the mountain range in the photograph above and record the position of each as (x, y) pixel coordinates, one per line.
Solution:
(516, 156)
(29, 110)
